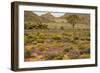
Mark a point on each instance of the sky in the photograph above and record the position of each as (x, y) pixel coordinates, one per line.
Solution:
(56, 14)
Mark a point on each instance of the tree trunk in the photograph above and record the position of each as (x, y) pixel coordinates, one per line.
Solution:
(73, 34)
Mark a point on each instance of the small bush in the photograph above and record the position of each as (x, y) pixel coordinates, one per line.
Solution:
(62, 28)
(54, 56)
(76, 38)
(40, 40)
(85, 56)
(67, 49)
(59, 57)
(85, 51)
(55, 44)
(57, 37)
(40, 47)
(39, 37)
(84, 46)
(28, 39)
(73, 54)
(69, 34)
(50, 56)
(27, 53)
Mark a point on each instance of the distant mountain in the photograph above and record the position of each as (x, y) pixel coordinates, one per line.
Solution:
(34, 18)
(29, 16)
(48, 16)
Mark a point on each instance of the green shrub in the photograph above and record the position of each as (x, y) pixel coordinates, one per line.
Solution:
(27, 53)
(54, 55)
(69, 34)
(62, 28)
(50, 56)
(40, 40)
(54, 44)
(39, 37)
(76, 38)
(28, 39)
(40, 47)
(28, 25)
(59, 57)
(57, 37)
(84, 46)
(85, 56)
(67, 49)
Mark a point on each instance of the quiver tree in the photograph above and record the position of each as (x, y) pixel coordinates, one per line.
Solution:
(73, 20)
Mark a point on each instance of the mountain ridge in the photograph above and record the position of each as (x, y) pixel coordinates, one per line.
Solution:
(30, 16)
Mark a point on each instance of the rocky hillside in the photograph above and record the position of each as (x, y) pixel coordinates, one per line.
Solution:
(34, 18)
(52, 21)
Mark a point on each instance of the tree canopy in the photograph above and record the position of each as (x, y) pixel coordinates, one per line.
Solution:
(73, 19)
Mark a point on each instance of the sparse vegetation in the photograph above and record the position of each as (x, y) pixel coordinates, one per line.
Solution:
(46, 38)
